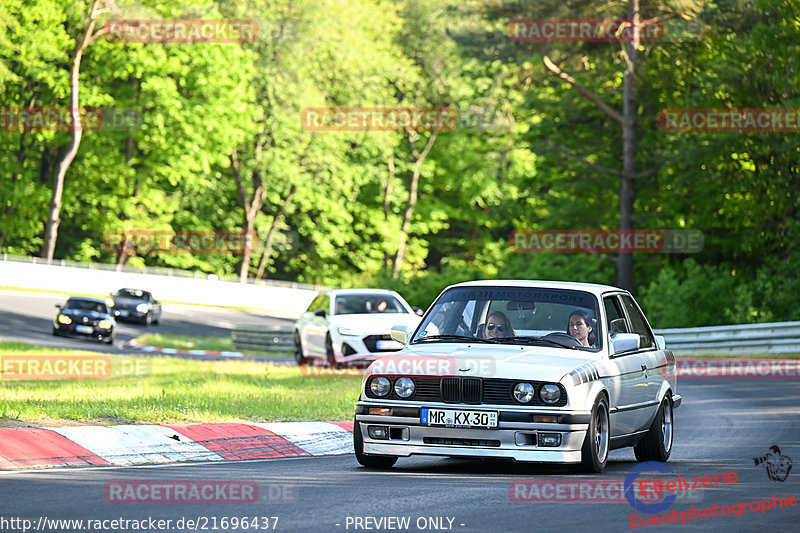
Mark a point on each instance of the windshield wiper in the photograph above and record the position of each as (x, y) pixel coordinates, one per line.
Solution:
(452, 338)
(530, 339)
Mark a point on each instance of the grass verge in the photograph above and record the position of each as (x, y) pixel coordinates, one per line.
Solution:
(213, 344)
(162, 390)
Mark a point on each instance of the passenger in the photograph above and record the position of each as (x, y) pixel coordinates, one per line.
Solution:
(497, 325)
(581, 326)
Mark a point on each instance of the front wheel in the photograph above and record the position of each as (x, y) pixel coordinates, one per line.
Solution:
(369, 461)
(594, 453)
(329, 351)
(657, 444)
(298, 350)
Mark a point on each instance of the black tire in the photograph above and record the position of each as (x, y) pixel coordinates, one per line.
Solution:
(329, 356)
(157, 319)
(299, 357)
(594, 452)
(369, 461)
(148, 319)
(109, 340)
(657, 444)
(55, 332)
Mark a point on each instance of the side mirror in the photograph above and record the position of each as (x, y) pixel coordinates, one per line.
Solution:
(401, 334)
(418, 311)
(59, 306)
(617, 326)
(320, 313)
(624, 342)
(661, 342)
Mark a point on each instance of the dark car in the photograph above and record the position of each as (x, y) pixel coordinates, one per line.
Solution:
(136, 305)
(85, 317)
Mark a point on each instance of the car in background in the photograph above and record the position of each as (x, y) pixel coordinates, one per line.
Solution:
(340, 324)
(534, 393)
(136, 305)
(85, 317)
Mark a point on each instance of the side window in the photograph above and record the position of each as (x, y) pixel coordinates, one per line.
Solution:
(638, 322)
(320, 302)
(467, 316)
(615, 318)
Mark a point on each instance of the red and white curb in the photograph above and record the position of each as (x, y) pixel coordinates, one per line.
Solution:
(173, 351)
(169, 443)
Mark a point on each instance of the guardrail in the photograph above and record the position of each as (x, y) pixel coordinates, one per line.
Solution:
(740, 339)
(263, 338)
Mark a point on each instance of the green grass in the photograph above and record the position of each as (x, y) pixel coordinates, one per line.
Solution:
(215, 344)
(170, 390)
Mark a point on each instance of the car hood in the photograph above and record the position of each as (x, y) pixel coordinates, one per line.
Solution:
(129, 301)
(489, 361)
(374, 323)
(80, 313)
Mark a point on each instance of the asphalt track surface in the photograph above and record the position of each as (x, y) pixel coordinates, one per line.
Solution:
(28, 317)
(721, 427)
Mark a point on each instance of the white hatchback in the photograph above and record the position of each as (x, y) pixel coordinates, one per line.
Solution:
(345, 324)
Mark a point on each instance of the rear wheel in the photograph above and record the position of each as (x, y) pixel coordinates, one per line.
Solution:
(369, 461)
(594, 453)
(299, 357)
(657, 444)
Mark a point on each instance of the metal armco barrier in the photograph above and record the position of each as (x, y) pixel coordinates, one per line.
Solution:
(772, 337)
(263, 338)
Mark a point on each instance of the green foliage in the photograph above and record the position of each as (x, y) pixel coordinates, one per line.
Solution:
(527, 150)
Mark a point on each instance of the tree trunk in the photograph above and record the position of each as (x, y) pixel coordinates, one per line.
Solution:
(51, 227)
(251, 208)
(627, 189)
(387, 203)
(412, 197)
(267, 252)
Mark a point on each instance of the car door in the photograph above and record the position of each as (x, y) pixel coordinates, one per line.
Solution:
(313, 328)
(629, 395)
(652, 358)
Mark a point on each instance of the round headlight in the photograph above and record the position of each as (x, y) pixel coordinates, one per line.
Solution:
(142, 308)
(64, 319)
(550, 393)
(380, 387)
(523, 392)
(404, 387)
(105, 324)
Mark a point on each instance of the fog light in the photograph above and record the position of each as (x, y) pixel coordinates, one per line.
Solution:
(551, 440)
(379, 432)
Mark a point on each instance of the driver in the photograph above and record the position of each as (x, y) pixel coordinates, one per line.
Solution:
(497, 325)
(581, 326)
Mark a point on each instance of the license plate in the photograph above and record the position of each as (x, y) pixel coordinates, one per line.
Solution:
(458, 418)
(123, 313)
(388, 345)
(84, 329)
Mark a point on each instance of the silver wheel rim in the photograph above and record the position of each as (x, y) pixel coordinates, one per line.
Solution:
(666, 425)
(601, 433)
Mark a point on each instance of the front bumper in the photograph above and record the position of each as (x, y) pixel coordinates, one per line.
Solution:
(514, 438)
(68, 330)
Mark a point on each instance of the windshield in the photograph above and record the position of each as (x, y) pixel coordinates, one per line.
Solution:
(85, 305)
(132, 294)
(354, 304)
(514, 315)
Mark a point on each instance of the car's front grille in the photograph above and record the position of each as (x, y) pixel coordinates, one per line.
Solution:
(476, 391)
(371, 342)
(461, 442)
(451, 390)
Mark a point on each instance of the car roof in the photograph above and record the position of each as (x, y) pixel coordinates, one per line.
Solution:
(344, 292)
(593, 288)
